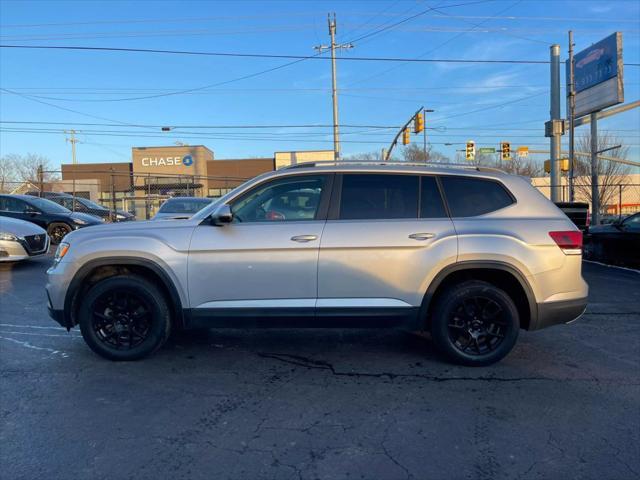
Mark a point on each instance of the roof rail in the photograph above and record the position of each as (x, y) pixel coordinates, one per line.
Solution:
(322, 163)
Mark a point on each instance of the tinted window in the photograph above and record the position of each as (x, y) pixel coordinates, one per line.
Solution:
(468, 197)
(286, 199)
(47, 206)
(189, 205)
(373, 196)
(430, 200)
(632, 223)
(9, 204)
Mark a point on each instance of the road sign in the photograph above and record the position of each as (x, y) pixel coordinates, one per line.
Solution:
(486, 150)
(598, 75)
(523, 151)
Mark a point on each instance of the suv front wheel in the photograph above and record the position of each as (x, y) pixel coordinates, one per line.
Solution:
(124, 318)
(475, 323)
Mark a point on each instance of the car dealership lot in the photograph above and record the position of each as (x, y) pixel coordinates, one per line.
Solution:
(320, 403)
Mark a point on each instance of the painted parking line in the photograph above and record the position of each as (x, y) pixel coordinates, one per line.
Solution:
(613, 266)
(35, 347)
(30, 326)
(37, 334)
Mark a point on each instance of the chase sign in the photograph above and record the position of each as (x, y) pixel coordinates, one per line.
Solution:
(187, 161)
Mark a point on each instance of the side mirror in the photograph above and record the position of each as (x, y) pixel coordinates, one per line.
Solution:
(221, 216)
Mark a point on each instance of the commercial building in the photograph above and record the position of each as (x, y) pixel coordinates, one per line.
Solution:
(156, 173)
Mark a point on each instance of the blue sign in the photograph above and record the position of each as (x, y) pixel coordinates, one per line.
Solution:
(596, 64)
(187, 160)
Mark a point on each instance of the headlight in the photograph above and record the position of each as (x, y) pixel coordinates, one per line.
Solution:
(62, 250)
(79, 221)
(8, 236)
(119, 216)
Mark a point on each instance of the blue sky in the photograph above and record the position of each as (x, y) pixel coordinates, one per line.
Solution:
(466, 98)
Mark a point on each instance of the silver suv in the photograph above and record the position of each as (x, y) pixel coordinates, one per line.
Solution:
(470, 254)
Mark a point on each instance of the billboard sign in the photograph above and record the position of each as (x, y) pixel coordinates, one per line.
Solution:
(598, 75)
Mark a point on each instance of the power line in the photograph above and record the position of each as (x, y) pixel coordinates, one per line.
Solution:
(431, 50)
(224, 138)
(283, 56)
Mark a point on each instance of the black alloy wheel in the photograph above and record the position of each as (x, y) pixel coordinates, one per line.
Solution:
(476, 326)
(125, 317)
(121, 319)
(474, 323)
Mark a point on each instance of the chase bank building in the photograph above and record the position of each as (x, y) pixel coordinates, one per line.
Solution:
(162, 172)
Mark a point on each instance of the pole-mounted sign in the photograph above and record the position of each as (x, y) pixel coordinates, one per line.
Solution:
(598, 75)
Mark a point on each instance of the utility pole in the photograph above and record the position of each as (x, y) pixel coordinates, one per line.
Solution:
(73, 140)
(334, 81)
(571, 92)
(424, 131)
(595, 199)
(554, 127)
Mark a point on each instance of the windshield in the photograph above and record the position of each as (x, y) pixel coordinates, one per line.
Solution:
(47, 206)
(177, 205)
(91, 204)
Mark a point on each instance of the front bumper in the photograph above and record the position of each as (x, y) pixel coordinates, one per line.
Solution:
(553, 313)
(13, 251)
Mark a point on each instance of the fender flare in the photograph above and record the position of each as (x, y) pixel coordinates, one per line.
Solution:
(488, 265)
(85, 270)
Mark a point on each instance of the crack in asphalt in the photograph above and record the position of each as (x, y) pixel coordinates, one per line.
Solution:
(312, 364)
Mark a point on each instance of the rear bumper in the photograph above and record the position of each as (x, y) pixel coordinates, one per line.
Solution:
(553, 313)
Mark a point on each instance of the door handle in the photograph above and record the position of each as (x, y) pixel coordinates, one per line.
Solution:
(421, 236)
(304, 238)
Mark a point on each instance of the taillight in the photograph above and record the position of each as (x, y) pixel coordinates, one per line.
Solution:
(569, 241)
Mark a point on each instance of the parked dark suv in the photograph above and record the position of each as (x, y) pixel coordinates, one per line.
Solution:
(54, 218)
(84, 205)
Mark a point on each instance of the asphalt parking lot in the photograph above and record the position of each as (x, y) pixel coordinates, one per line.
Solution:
(326, 404)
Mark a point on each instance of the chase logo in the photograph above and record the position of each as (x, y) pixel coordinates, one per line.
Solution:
(187, 160)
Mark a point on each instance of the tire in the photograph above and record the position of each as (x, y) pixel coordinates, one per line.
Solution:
(57, 231)
(124, 318)
(475, 323)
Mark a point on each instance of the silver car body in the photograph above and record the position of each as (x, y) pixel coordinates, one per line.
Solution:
(330, 266)
(21, 240)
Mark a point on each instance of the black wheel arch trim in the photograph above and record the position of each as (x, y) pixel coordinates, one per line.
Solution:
(488, 265)
(87, 268)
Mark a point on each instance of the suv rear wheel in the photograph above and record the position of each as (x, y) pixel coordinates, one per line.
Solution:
(475, 323)
(124, 318)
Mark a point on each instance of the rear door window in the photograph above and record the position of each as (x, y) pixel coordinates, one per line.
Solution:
(469, 197)
(378, 196)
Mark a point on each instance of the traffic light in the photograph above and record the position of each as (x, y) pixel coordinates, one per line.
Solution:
(405, 137)
(418, 124)
(471, 150)
(505, 149)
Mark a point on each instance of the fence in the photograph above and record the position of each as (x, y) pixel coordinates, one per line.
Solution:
(143, 194)
(118, 191)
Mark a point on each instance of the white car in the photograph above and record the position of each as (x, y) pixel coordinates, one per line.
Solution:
(20, 240)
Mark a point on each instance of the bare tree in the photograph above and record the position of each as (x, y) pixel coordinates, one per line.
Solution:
(364, 156)
(8, 174)
(612, 176)
(415, 153)
(26, 167)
